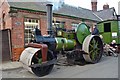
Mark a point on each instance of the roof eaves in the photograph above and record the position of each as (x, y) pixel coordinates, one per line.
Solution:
(53, 13)
(108, 20)
(27, 9)
(74, 17)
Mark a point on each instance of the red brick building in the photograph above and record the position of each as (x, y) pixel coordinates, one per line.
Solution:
(22, 18)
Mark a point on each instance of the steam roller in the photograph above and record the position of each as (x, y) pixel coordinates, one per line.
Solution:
(40, 56)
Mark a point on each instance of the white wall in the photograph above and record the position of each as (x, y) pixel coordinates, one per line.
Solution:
(119, 8)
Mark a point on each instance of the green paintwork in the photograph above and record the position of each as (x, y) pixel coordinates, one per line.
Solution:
(82, 32)
(40, 61)
(64, 43)
(68, 35)
(107, 36)
(114, 26)
(101, 28)
(93, 48)
(59, 43)
(119, 31)
(70, 43)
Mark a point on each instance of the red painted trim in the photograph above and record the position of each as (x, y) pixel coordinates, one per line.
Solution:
(44, 49)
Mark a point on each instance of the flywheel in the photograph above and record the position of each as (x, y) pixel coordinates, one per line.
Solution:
(93, 46)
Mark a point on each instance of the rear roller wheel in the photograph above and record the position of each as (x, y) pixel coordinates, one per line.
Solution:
(93, 46)
(37, 59)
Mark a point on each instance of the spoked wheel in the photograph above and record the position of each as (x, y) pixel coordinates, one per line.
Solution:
(93, 46)
(44, 70)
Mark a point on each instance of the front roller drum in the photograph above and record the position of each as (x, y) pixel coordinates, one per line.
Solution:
(31, 56)
(93, 46)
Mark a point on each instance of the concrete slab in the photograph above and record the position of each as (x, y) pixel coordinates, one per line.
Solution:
(10, 65)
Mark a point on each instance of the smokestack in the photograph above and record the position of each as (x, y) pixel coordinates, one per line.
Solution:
(49, 19)
(94, 5)
(105, 6)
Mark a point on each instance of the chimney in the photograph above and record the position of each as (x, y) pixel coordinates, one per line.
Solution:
(105, 6)
(94, 5)
(49, 19)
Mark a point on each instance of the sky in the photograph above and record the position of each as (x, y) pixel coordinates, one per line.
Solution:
(87, 3)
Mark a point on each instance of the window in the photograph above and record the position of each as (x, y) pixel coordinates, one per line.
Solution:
(107, 27)
(3, 20)
(58, 24)
(30, 25)
(74, 26)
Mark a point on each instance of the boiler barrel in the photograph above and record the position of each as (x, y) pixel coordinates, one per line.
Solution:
(64, 43)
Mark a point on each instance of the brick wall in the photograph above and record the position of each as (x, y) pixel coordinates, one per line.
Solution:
(43, 25)
(17, 32)
(4, 10)
(16, 25)
(17, 37)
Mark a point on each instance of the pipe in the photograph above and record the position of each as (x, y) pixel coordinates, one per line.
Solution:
(49, 19)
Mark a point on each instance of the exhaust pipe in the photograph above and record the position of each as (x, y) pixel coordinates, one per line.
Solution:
(49, 19)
